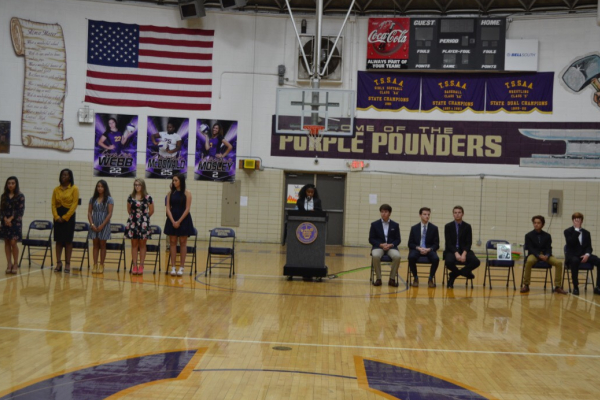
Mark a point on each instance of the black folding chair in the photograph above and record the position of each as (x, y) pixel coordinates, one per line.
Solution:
(539, 266)
(221, 236)
(116, 245)
(83, 245)
(154, 247)
(492, 262)
(587, 267)
(45, 243)
(190, 250)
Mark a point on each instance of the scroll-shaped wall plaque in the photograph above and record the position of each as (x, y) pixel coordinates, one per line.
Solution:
(43, 46)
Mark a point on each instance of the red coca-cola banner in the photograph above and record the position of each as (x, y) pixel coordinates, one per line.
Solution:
(387, 43)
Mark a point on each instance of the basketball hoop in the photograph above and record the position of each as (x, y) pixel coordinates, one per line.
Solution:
(315, 134)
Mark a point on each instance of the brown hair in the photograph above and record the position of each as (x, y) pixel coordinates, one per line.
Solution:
(386, 207)
(424, 209)
(540, 218)
(577, 215)
(458, 208)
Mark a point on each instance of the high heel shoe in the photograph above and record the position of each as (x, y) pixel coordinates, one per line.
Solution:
(9, 269)
(95, 268)
(141, 270)
(58, 267)
(173, 272)
(14, 269)
(100, 268)
(67, 268)
(135, 270)
(180, 272)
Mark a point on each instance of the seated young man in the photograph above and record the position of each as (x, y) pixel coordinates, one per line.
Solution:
(579, 250)
(424, 241)
(459, 238)
(384, 236)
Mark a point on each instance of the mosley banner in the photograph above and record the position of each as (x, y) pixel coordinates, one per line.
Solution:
(216, 144)
(167, 147)
(387, 43)
(388, 91)
(453, 93)
(489, 142)
(115, 145)
(520, 93)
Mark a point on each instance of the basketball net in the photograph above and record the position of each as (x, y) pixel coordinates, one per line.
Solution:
(315, 134)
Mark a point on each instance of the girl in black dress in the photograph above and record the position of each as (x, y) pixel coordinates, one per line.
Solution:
(12, 208)
(179, 223)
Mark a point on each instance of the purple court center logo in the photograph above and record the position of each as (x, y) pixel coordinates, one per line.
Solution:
(306, 233)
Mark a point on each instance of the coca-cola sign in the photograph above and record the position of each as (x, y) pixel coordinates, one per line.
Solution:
(387, 43)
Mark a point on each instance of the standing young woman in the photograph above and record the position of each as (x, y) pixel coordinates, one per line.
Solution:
(99, 213)
(179, 223)
(12, 208)
(64, 203)
(140, 208)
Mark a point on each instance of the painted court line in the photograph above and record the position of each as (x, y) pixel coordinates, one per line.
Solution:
(510, 353)
(20, 273)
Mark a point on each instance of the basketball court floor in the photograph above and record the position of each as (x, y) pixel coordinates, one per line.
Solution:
(260, 336)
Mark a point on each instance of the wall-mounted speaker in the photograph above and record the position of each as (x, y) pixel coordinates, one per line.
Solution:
(190, 9)
(226, 4)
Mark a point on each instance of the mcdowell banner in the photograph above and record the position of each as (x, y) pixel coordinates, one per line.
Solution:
(167, 147)
(388, 91)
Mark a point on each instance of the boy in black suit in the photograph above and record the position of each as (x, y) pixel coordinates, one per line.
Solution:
(424, 241)
(459, 238)
(539, 245)
(579, 250)
(384, 236)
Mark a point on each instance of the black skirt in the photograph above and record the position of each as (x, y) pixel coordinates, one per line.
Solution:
(64, 231)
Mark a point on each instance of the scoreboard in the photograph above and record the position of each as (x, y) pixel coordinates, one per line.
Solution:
(441, 44)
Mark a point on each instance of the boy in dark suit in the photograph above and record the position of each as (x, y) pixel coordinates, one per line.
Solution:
(459, 238)
(539, 245)
(579, 250)
(384, 236)
(424, 241)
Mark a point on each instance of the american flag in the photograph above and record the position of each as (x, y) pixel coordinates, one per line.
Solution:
(149, 66)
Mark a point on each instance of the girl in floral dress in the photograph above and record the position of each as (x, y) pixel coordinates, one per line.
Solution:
(140, 208)
(12, 208)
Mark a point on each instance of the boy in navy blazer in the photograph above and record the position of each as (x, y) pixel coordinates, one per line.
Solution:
(579, 250)
(384, 236)
(424, 241)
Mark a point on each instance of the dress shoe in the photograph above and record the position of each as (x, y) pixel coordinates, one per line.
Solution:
(525, 289)
(560, 290)
(377, 282)
(576, 291)
(597, 290)
(415, 283)
(430, 283)
(451, 279)
(393, 283)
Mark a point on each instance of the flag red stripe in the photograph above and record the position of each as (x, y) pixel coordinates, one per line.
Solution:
(165, 67)
(145, 103)
(174, 54)
(150, 91)
(148, 78)
(181, 43)
(184, 31)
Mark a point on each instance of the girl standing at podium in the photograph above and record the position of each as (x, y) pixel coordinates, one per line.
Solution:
(308, 199)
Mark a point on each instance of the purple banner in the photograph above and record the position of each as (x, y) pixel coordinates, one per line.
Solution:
(387, 91)
(115, 145)
(453, 93)
(518, 143)
(521, 93)
(216, 145)
(167, 147)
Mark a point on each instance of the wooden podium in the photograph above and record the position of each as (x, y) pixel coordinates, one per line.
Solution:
(306, 237)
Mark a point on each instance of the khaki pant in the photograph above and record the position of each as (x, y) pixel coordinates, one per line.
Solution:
(376, 255)
(532, 260)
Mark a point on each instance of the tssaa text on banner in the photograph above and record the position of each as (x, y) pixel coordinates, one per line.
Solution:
(388, 92)
(115, 145)
(216, 143)
(453, 93)
(523, 93)
(167, 147)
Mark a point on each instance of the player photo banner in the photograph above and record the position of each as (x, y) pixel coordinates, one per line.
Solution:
(387, 43)
(520, 94)
(216, 144)
(388, 91)
(453, 93)
(115, 145)
(167, 147)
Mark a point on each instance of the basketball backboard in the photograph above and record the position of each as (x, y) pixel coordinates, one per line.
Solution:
(332, 108)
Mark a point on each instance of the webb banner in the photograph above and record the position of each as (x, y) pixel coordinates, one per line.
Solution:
(115, 145)
(490, 142)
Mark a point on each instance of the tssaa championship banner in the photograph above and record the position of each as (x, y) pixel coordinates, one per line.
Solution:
(216, 144)
(491, 142)
(523, 93)
(115, 145)
(387, 43)
(453, 93)
(388, 92)
(167, 147)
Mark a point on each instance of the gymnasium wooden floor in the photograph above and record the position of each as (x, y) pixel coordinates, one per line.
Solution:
(259, 336)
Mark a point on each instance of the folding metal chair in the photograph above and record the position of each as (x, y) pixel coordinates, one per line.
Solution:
(45, 243)
(82, 245)
(154, 247)
(537, 267)
(491, 261)
(221, 236)
(116, 245)
(191, 250)
(583, 267)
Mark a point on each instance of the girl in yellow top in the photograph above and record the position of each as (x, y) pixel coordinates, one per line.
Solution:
(64, 203)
